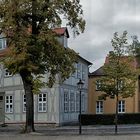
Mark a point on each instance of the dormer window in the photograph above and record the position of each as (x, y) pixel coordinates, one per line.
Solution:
(2, 42)
(65, 39)
(7, 73)
(63, 35)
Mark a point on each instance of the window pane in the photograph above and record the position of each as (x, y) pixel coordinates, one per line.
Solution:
(99, 106)
(24, 103)
(40, 99)
(44, 99)
(1, 44)
(42, 102)
(66, 103)
(9, 104)
(121, 106)
(40, 106)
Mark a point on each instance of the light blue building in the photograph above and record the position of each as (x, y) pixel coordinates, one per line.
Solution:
(56, 105)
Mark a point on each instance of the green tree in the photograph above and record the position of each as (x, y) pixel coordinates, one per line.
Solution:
(33, 48)
(119, 73)
(135, 46)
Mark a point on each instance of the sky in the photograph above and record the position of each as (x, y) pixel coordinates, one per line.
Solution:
(103, 19)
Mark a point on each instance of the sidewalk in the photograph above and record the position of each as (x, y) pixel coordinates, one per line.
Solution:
(98, 130)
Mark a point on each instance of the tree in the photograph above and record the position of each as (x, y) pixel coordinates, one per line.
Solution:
(135, 48)
(119, 72)
(33, 48)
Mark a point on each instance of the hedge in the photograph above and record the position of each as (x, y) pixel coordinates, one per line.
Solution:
(108, 119)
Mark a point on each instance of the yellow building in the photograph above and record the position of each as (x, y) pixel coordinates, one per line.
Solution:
(96, 106)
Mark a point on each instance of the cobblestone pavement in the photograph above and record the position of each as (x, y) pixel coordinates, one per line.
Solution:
(75, 137)
(43, 132)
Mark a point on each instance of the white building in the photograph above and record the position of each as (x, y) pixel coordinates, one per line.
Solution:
(57, 105)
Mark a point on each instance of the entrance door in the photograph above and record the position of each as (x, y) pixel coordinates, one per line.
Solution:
(2, 112)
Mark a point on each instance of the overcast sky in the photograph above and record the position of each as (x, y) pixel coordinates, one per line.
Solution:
(103, 18)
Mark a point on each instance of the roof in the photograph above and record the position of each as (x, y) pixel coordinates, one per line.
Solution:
(134, 62)
(89, 63)
(98, 72)
(61, 31)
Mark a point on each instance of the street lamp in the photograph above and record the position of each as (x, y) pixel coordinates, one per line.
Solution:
(80, 86)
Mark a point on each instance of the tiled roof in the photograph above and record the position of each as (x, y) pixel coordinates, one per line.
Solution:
(98, 72)
(61, 31)
(135, 63)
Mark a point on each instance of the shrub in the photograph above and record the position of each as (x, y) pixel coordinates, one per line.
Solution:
(108, 119)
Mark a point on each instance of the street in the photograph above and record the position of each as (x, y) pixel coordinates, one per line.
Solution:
(75, 137)
(43, 132)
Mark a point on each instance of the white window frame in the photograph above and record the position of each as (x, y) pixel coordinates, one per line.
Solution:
(99, 107)
(65, 41)
(66, 101)
(77, 102)
(83, 72)
(9, 104)
(72, 102)
(78, 70)
(7, 73)
(42, 102)
(74, 74)
(2, 43)
(83, 102)
(121, 106)
(24, 103)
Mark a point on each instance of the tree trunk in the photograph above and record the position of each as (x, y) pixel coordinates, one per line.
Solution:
(27, 83)
(116, 115)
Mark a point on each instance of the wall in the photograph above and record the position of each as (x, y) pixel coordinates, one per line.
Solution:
(131, 103)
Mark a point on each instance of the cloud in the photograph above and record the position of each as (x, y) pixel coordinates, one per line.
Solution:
(103, 18)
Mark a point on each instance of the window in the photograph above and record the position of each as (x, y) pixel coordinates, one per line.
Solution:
(74, 74)
(9, 104)
(78, 70)
(7, 73)
(24, 103)
(98, 84)
(65, 42)
(83, 103)
(83, 72)
(72, 102)
(99, 107)
(66, 102)
(77, 102)
(2, 42)
(42, 102)
(121, 106)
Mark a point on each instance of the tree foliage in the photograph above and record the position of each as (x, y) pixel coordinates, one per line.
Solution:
(31, 41)
(33, 48)
(120, 73)
(135, 46)
(119, 70)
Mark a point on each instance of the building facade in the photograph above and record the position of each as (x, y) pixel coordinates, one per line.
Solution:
(57, 105)
(96, 106)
